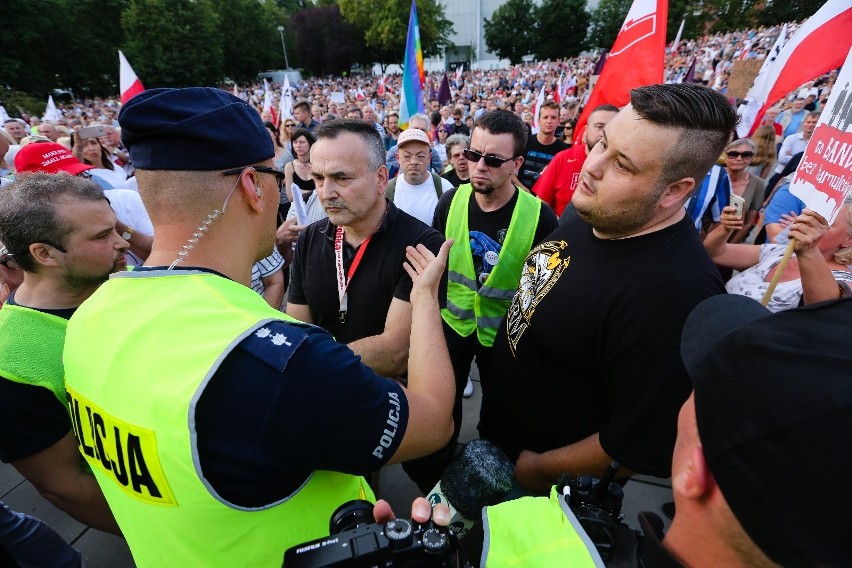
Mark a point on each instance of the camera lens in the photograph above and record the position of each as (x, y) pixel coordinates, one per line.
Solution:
(351, 515)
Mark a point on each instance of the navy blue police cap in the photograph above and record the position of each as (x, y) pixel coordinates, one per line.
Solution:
(197, 128)
(773, 405)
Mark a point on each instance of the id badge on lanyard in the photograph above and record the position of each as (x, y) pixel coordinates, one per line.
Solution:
(345, 278)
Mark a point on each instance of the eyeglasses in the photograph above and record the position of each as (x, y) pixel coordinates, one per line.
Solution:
(279, 177)
(490, 161)
(420, 156)
(744, 155)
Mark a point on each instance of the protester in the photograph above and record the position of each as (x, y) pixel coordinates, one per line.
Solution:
(230, 424)
(594, 325)
(60, 232)
(744, 184)
(819, 271)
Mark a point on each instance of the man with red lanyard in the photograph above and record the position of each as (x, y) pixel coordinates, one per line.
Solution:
(347, 275)
(555, 186)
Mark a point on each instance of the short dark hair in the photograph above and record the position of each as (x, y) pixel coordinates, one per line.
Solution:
(299, 132)
(302, 104)
(355, 110)
(504, 122)
(29, 212)
(548, 104)
(705, 118)
(606, 107)
(274, 130)
(373, 142)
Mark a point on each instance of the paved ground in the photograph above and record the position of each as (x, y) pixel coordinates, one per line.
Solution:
(102, 550)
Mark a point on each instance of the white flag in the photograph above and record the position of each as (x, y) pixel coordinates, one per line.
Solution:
(51, 113)
(285, 103)
(677, 37)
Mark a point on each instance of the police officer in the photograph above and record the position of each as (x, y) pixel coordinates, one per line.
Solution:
(220, 430)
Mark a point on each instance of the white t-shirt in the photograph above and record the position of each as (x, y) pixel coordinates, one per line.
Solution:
(128, 207)
(418, 200)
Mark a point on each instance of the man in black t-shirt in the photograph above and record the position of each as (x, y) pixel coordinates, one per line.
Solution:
(585, 368)
(60, 230)
(494, 226)
(371, 312)
(542, 147)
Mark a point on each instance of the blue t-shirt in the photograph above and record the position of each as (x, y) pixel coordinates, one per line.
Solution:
(783, 202)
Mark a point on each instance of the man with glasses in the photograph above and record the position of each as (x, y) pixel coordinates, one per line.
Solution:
(416, 190)
(60, 236)
(494, 225)
(225, 431)
(594, 328)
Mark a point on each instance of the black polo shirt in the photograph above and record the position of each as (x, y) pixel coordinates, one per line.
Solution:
(378, 279)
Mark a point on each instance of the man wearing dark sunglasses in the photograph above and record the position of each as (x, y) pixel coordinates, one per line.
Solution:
(494, 225)
(60, 236)
(594, 328)
(212, 413)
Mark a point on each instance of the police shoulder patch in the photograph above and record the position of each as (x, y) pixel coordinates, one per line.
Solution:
(274, 343)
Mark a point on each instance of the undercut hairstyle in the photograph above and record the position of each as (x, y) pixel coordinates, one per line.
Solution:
(29, 211)
(505, 122)
(456, 140)
(304, 105)
(741, 142)
(706, 121)
(372, 141)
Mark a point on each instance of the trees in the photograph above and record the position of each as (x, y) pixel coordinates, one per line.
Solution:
(174, 43)
(510, 33)
(556, 29)
(326, 43)
(384, 25)
(607, 19)
(562, 28)
(249, 37)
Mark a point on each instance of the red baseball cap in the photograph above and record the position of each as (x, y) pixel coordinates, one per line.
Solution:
(48, 157)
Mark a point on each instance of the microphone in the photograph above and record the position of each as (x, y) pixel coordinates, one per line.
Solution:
(479, 476)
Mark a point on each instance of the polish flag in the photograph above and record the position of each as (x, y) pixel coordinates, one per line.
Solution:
(381, 90)
(129, 83)
(637, 59)
(820, 45)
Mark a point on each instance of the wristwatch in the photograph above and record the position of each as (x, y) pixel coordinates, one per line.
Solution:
(127, 234)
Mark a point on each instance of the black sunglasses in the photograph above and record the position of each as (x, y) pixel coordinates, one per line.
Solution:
(490, 161)
(279, 177)
(743, 155)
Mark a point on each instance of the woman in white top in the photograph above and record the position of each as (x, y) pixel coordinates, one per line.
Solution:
(819, 270)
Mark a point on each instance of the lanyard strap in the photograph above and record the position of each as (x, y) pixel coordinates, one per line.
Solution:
(344, 279)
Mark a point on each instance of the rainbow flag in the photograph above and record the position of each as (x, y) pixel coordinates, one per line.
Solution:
(413, 76)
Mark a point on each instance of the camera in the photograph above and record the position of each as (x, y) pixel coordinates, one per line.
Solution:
(597, 505)
(355, 540)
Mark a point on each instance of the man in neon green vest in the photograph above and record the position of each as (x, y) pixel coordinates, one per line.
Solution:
(60, 231)
(494, 225)
(220, 430)
(759, 440)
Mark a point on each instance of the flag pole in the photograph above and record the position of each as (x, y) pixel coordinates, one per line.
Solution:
(778, 272)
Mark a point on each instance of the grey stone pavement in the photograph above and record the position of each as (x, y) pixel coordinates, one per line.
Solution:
(102, 550)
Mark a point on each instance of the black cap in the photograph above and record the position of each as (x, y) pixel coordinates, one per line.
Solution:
(773, 403)
(199, 128)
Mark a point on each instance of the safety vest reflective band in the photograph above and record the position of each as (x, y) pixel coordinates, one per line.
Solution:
(138, 355)
(536, 532)
(31, 348)
(481, 308)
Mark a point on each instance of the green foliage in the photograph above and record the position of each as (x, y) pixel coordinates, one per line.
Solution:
(510, 33)
(248, 32)
(778, 11)
(326, 43)
(690, 11)
(175, 43)
(607, 20)
(17, 102)
(562, 28)
(384, 25)
(731, 15)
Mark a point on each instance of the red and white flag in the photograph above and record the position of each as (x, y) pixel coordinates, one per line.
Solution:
(537, 109)
(381, 90)
(819, 45)
(129, 83)
(637, 59)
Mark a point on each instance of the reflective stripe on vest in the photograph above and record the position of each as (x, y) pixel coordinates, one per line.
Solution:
(138, 355)
(31, 348)
(536, 532)
(471, 307)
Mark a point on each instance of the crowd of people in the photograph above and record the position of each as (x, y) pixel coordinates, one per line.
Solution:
(585, 274)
